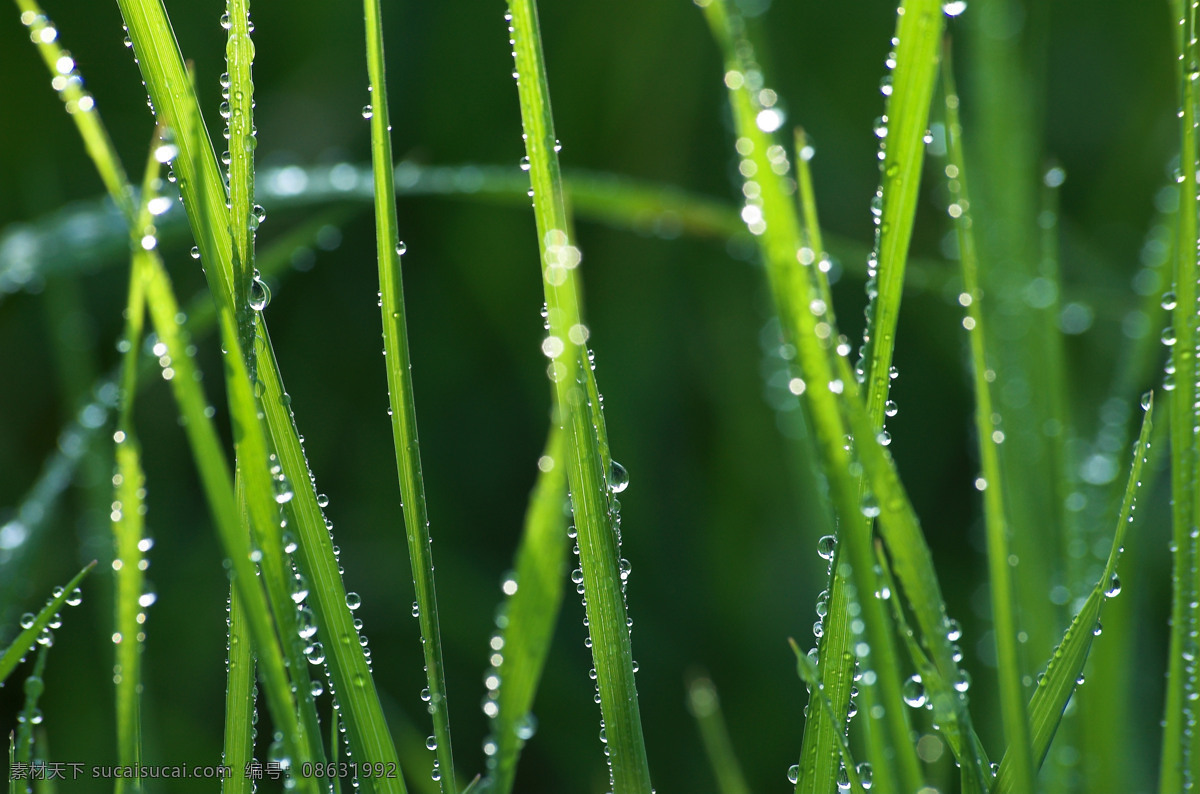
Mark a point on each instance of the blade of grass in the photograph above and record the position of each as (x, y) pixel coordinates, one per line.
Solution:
(32, 629)
(1179, 752)
(1003, 599)
(530, 614)
(705, 706)
(400, 397)
(34, 686)
(809, 326)
(806, 668)
(1065, 667)
(200, 185)
(240, 696)
(239, 105)
(578, 412)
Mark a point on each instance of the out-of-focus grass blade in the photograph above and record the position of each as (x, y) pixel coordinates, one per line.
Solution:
(806, 668)
(1180, 754)
(578, 412)
(1003, 600)
(530, 614)
(705, 706)
(402, 403)
(1062, 674)
(240, 701)
(32, 626)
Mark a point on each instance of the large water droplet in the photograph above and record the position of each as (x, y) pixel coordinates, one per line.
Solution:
(618, 478)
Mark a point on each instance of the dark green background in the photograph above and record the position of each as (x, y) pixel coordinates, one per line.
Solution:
(718, 520)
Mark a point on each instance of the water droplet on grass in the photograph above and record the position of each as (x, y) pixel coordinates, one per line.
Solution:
(618, 478)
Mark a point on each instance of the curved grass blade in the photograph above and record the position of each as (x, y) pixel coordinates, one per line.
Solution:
(32, 629)
(809, 326)
(806, 668)
(400, 397)
(529, 616)
(705, 706)
(200, 185)
(1062, 674)
(1003, 598)
(578, 412)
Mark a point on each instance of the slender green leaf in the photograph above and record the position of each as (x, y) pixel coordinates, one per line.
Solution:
(529, 616)
(34, 686)
(1009, 664)
(400, 396)
(578, 412)
(32, 628)
(1180, 754)
(240, 700)
(806, 668)
(1065, 667)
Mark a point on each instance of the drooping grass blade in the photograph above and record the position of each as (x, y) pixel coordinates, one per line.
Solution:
(578, 412)
(530, 613)
(990, 436)
(1065, 667)
(32, 625)
(705, 706)
(400, 396)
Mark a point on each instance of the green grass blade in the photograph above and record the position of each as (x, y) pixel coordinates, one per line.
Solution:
(917, 46)
(33, 625)
(34, 686)
(705, 706)
(1065, 667)
(1180, 754)
(240, 700)
(529, 616)
(201, 187)
(239, 104)
(809, 326)
(1003, 599)
(13, 788)
(578, 413)
(806, 668)
(400, 396)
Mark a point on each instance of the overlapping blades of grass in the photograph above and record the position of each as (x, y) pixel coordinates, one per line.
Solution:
(827, 384)
(1065, 667)
(578, 413)
(400, 397)
(530, 614)
(1003, 600)
(202, 188)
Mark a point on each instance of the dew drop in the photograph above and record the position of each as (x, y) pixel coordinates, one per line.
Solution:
(825, 546)
(618, 478)
(367, 112)
(353, 601)
(793, 773)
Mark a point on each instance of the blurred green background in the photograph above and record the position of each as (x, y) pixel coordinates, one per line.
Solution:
(719, 520)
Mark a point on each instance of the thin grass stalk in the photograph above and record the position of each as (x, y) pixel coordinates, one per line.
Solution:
(579, 414)
(401, 400)
(1014, 719)
(239, 109)
(1179, 751)
(705, 706)
(530, 614)
(34, 686)
(806, 668)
